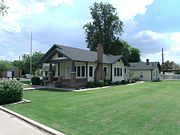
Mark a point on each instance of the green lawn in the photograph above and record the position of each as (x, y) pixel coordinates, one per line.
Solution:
(151, 108)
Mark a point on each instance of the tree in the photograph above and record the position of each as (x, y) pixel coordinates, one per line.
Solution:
(121, 47)
(170, 65)
(3, 8)
(105, 28)
(134, 55)
(5, 65)
(25, 63)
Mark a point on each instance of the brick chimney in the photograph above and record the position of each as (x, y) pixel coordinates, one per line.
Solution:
(100, 53)
(99, 73)
(147, 61)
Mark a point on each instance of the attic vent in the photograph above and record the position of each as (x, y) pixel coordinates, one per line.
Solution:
(60, 55)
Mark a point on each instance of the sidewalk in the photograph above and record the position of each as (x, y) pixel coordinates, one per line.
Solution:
(10, 125)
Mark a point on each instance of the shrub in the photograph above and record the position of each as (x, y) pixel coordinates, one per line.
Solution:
(10, 91)
(35, 81)
(100, 83)
(107, 82)
(133, 81)
(116, 83)
(123, 82)
(90, 84)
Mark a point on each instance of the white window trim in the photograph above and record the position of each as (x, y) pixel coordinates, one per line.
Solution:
(141, 73)
(119, 71)
(92, 71)
(80, 71)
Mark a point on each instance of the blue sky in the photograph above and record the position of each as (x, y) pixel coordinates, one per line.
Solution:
(148, 25)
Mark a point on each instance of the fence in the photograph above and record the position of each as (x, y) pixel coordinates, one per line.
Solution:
(170, 76)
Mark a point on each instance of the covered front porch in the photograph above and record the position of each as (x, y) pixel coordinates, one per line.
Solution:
(64, 73)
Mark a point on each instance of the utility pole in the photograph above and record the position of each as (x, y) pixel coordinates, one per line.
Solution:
(163, 60)
(31, 55)
(162, 56)
(19, 67)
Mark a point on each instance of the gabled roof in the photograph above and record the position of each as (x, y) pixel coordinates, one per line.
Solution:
(76, 54)
(144, 65)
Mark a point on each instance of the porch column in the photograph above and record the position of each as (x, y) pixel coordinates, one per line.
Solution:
(72, 75)
(50, 73)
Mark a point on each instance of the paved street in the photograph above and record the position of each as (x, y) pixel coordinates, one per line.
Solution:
(10, 125)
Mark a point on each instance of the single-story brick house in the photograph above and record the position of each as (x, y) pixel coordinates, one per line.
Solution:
(146, 71)
(72, 67)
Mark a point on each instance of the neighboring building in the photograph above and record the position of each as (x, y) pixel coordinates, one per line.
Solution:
(146, 71)
(73, 67)
(16, 72)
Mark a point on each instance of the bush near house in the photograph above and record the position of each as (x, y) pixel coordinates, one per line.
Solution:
(124, 82)
(90, 84)
(99, 83)
(10, 91)
(35, 80)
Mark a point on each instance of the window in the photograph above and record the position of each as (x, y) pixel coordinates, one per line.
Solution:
(60, 55)
(118, 72)
(125, 70)
(80, 71)
(105, 71)
(141, 75)
(83, 71)
(114, 71)
(90, 71)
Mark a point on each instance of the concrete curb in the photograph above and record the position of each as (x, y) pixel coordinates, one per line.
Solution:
(32, 122)
(89, 89)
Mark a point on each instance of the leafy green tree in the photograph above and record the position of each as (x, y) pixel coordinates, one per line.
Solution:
(105, 28)
(134, 55)
(17, 63)
(5, 65)
(121, 47)
(3, 8)
(24, 64)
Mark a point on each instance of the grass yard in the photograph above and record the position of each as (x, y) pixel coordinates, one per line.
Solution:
(151, 108)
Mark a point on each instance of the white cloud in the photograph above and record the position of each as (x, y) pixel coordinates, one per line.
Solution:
(151, 43)
(58, 2)
(18, 10)
(11, 27)
(128, 9)
(175, 39)
(149, 35)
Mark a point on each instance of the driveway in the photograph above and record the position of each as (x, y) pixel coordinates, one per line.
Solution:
(10, 125)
